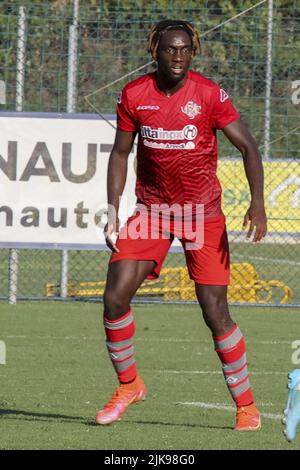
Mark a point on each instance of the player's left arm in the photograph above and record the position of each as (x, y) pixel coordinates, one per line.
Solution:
(255, 217)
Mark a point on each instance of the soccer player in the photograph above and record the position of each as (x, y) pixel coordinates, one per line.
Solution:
(176, 113)
(291, 417)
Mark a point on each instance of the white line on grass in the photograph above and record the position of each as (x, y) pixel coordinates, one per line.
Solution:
(218, 406)
(178, 340)
(272, 260)
(76, 338)
(147, 340)
(213, 372)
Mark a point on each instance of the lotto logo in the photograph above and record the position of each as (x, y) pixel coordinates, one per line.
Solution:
(223, 96)
(231, 380)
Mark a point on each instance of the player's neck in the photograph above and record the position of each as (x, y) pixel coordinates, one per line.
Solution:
(168, 88)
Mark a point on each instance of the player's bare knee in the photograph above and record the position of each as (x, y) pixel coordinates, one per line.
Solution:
(114, 305)
(217, 308)
(219, 323)
(214, 306)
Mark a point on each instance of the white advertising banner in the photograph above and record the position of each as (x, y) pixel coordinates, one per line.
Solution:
(53, 179)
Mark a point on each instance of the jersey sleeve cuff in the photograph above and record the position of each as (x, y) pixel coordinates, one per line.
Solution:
(229, 121)
(126, 129)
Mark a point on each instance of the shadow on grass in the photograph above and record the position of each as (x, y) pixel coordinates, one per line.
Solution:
(189, 425)
(46, 417)
(33, 416)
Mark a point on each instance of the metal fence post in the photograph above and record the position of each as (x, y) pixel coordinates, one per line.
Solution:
(72, 61)
(2, 92)
(20, 75)
(267, 125)
(13, 276)
(71, 107)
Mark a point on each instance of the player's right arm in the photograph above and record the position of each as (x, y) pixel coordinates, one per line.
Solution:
(116, 179)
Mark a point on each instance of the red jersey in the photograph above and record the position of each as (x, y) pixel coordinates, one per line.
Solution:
(177, 145)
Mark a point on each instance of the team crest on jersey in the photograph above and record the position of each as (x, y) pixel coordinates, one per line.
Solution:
(191, 109)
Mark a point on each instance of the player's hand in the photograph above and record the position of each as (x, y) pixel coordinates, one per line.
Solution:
(110, 229)
(255, 220)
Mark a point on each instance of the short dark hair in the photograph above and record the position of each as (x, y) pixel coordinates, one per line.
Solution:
(160, 28)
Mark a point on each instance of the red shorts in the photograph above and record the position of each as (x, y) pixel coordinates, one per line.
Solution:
(206, 265)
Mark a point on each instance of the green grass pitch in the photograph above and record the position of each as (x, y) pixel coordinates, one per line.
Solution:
(57, 374)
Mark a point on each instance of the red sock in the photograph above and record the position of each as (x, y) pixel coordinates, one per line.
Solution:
(119, 341)
(231, 350)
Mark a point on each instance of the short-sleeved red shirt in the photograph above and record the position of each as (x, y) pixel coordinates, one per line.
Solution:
(177, 145)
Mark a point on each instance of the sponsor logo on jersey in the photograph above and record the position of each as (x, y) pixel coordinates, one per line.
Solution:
(168, 145)
(191, 109)
(189, 132)
(146, 108)
(223, 95)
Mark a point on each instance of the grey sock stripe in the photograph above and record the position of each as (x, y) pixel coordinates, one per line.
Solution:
(229, 342)
(121, 366)
(237, 391)
(232, 366)
(119, 344)
(121, 355)
(119, 324)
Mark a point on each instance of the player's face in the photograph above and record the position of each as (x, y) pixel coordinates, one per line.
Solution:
(174, 55)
